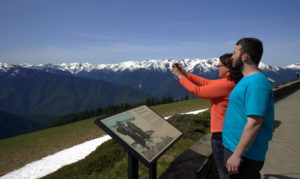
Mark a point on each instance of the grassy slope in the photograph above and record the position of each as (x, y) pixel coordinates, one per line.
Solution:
(181, 106)
(17, 151)
(110, 159)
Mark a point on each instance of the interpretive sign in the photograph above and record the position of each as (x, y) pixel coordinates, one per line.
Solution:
(141, 131)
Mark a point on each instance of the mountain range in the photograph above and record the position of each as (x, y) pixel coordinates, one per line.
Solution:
(152, 76)
(43, 92)
(30, 91)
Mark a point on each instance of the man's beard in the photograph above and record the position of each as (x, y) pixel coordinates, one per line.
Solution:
(238, 64)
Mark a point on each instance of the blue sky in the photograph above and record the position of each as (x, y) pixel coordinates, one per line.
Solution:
(112, 31)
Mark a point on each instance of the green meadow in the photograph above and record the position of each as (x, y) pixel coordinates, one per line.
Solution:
(17, 151)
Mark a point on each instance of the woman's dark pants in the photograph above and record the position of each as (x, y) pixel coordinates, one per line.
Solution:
(218, 153)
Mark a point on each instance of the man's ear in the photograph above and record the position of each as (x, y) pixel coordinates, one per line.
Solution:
(245, 57)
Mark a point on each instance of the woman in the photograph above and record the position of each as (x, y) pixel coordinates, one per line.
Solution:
(218, 92)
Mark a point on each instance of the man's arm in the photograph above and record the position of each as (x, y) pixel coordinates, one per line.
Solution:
(248, 136)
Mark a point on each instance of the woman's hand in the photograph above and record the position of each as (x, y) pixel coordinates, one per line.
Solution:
(175, 70)
(182, 70)
(178, 70)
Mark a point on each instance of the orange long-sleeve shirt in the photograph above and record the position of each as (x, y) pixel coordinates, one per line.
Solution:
(216, 90)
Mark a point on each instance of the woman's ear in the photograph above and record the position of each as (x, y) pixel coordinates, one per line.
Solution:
(227, 73)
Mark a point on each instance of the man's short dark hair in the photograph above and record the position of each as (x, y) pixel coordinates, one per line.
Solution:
(253, 47)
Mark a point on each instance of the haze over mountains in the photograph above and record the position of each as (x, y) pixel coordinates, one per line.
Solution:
(55, 90)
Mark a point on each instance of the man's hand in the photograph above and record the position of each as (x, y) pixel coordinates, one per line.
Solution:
(233, 163)
(251, 129)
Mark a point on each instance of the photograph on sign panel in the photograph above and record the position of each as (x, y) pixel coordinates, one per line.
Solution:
(142, 129)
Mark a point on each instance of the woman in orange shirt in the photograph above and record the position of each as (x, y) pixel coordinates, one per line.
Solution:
(218, 92)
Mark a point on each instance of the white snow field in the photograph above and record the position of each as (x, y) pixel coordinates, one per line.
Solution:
(51, 163)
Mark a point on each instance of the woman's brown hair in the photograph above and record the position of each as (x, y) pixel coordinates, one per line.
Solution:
(235, 75)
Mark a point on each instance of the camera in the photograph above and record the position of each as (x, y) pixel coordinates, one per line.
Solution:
(176, 65)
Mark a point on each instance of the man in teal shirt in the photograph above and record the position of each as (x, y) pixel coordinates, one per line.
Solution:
(249, 119)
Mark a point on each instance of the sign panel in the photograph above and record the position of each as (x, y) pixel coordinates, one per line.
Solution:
(142, 130)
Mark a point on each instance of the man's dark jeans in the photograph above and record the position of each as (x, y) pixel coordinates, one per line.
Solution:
(218, 153)
(249, 169)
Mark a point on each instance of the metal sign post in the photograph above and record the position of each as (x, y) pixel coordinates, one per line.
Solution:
(133, 167)
(142, 132)
(152, 170)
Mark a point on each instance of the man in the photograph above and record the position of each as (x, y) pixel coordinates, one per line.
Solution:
(249, 117)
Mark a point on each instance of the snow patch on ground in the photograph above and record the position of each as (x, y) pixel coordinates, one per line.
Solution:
(192, 112)
(51, 163)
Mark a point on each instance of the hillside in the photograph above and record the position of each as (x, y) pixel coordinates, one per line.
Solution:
(12, 125)
(17, 151)
(110, 160)
(35, 92)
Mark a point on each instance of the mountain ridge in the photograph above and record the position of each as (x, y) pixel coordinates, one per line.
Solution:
(151, 76)
(30, 91)
(162, 65)
(13, 125)
(54, 90)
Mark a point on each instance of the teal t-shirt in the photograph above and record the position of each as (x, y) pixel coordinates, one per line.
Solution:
(253, 95)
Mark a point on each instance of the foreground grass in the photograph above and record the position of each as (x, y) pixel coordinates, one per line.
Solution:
(181, 107)
(110, 159)
(17, 151)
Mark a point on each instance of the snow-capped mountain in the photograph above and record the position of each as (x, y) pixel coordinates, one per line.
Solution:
(191, 65)
(150, 76)
(264, 66)
(159, 65)
(295, 66)
(4, 67)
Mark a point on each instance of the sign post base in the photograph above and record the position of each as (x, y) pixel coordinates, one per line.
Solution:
(133, 167)
(152, 170)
